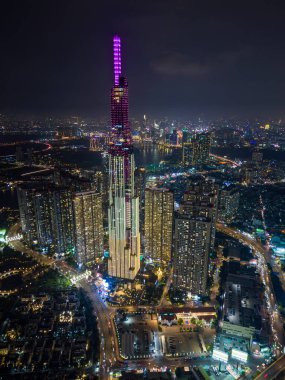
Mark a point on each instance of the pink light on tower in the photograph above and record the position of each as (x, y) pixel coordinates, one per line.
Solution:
(117, 58)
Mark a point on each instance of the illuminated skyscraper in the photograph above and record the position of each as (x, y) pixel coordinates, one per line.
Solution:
(27, 213)
(228, 204)
(62, 220)
(123, 212)
(201, 148)
(47, 217)
(257, 157)
(194, 238)
(187, 153)
(88, 217)
(159, 207)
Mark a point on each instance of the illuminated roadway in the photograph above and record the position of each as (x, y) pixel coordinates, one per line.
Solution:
(227, 160)
(48, 146)
(166, 288)
(273, 370)
(109, 350)
(263, 258)
(108, 347)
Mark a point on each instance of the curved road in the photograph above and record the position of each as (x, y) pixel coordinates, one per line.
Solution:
(263, 258)
(109, 351)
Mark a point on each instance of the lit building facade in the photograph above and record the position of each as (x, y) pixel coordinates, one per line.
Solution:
(62, 220)
(158, 225)
(257, 156)
(228, 204)
(140, 181)
(27, 214)
(201, 148)
(98, 143)
(194, 238)
(123, 211)
(47, 217)
(187, 153)
(89, 233)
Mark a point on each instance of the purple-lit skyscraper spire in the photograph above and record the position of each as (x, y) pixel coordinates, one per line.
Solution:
(123, 212)
(117, 58)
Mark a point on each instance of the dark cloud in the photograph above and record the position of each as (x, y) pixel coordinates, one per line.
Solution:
(56, 56)
(179, 64)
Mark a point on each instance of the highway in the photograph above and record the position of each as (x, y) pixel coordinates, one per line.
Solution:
(227, 160)
(263, 257)
(273, 370)
(108, 342)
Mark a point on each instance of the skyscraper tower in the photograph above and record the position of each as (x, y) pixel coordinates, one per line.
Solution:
(159, 209)
(89, 233)
(194, 238)
(46, 217)
(123, 212)
(201, 148)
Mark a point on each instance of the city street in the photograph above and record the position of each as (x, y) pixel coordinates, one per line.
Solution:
(109, 354)
(263, 258)
(273, 370)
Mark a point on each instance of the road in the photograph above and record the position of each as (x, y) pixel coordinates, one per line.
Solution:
(227, 160)
(166, 289)
(263, 257)
(109, 350)
(18, 245)
(273, 370)
(108, 342)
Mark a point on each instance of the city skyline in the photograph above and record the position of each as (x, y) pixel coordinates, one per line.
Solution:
(134, 246)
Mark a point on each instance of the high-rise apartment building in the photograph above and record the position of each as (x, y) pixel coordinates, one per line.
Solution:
(123, 212)
(62, 220)
(140, 181)
(251, 175)
(185, 136)
(228, 204)
(194, 238)
(158, 225)
(257, 156)
(187, 151)
(47, 217)
(27, 213)
(89, 233)
(201, 148)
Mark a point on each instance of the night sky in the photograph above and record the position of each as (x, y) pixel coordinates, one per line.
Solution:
(181, 58)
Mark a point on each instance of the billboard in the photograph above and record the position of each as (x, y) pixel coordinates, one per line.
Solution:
(239, 355)
(220, 355)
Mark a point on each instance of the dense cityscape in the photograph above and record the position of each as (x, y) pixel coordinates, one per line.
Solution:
(141, 247)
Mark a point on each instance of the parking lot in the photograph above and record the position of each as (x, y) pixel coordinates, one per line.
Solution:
(175, 342)
(180, 344)
(138, 335)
